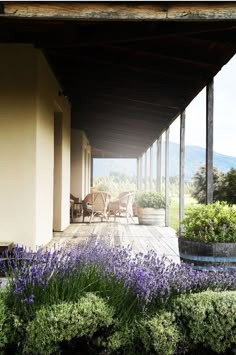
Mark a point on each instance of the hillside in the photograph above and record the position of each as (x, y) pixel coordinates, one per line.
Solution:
(194, 157)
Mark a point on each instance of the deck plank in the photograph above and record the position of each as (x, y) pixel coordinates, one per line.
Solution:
(120, 233)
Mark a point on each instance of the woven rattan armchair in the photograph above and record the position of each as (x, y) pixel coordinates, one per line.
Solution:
(96, 204)
(123, 206)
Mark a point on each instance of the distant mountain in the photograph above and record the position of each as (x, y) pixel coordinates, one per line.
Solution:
(194, 157)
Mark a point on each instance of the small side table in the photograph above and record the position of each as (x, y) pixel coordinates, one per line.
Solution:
(77, 209)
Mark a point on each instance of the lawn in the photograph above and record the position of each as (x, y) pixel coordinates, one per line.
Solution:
(174, 209)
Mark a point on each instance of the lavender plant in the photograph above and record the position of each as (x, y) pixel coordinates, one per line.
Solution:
(130, 284)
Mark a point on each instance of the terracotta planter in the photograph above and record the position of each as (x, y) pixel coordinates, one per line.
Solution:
(151, 216)
(205, 255)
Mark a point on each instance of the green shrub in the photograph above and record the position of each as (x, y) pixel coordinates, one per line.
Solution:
(208, 319)
(150, 199)
(3, 321)
(64, 322)
(211, 223)
(123, 340)
(11, 327)
(160, 334)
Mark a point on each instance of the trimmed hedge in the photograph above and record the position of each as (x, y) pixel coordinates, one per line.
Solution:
(64, 322)
(156, 335)
(208, 319)
(215, 222)
(203, 321)
(161, 334)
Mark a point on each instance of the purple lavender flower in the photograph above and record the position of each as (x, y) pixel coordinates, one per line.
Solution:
(146, 276)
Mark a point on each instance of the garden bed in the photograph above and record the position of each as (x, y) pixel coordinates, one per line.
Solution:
(106, 301)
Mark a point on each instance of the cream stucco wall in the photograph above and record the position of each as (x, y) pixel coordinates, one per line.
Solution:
(80, 164)
(28, 100)
(49, 103)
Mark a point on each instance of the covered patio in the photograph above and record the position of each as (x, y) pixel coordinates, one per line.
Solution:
(106, 81)
(120, 233)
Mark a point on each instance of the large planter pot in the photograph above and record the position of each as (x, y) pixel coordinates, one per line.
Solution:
(151, 216)
(205, 255)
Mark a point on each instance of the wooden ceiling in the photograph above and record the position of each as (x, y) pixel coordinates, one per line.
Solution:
(126, 80)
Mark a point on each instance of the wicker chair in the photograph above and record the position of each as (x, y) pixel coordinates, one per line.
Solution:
(96, 204)
(75, 206)
(122, 206)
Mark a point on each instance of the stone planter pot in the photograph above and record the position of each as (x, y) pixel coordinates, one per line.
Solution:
(205, 255)
(151, 216)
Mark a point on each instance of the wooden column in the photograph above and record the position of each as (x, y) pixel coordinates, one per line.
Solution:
(209, 141)
(91, 176)
(159, 168)
(181, 170)
(138, 171)
(167, 177)
(145, 171)
(151, 169)
(141, 173)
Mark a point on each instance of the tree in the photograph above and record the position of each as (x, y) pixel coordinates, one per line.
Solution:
(230, 186)
(199, 185)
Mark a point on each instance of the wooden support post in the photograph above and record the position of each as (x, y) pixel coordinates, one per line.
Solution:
(159, 168)
(145, 171)
(141, 173)
(167, 177)
(181, 171)
(138, 173)
(151, 169)
(91, 176)
(209, 141)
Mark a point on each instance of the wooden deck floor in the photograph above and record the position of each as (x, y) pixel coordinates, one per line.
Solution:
(142, 238)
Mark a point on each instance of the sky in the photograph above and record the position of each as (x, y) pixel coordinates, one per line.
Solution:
(224, 114)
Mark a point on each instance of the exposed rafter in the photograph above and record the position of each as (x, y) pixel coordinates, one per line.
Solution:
(126, 79)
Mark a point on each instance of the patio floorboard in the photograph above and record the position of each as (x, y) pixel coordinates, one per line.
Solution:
(120, 233)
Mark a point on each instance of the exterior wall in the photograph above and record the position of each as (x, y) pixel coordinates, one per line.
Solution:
(80, 164)
(28, 100)
(48, 103)
(17, 144)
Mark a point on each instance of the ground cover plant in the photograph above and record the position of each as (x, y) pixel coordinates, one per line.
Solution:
(135, 293)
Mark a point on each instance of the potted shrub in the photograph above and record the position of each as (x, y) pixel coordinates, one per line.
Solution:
(209, 237)
(150, 208)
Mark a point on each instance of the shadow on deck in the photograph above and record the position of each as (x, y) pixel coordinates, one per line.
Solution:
(120, 233)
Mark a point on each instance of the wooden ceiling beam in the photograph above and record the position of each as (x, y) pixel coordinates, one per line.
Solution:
(140, 101)
(112, 40)
(133, 53)
(121, 11)
(102, 153)
(123, 133)
(128, 110)
(122, 116)
(152, 63)
(122, 126)
(121, 71)
(113, 146)
(167, 98)
(119, 139)
(126, 106)
(164, 94)
(115, 84)
(75, 34)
